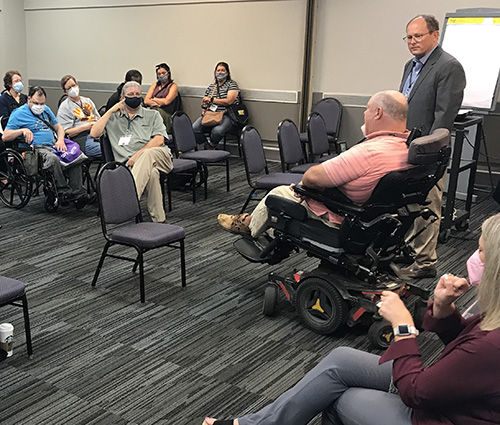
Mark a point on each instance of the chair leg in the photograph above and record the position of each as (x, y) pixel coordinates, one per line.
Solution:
(193, 186)
(169, 193)
(205, 178)
(247, 201)
(27, 326)
(227, 174)
(137, 261)
(101, 261)
(183, 264)
(141, 277)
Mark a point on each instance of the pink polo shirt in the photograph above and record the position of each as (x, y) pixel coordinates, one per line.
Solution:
(357, 171)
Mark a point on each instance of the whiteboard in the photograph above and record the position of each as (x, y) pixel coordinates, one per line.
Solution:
(474, 42)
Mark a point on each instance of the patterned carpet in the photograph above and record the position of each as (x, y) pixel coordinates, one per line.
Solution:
(102, 357)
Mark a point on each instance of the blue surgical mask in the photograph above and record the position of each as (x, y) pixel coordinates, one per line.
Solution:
(18, 87)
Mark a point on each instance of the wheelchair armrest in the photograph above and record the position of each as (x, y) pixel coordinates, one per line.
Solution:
(288, 207)
(332, 198)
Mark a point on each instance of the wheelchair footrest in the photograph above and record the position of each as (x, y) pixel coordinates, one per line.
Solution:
(251, 249)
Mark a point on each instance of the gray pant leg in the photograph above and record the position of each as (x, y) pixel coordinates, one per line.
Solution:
(75, 177)
(341, 370)
(368, 407)
(51, 162)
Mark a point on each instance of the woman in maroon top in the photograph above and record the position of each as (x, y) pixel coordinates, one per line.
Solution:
(462, 387)
(163, 95)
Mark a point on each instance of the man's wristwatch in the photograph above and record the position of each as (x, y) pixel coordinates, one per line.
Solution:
(405, 330)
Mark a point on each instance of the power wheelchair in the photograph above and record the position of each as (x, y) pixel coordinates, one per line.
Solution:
(357, 259)
(18, 183)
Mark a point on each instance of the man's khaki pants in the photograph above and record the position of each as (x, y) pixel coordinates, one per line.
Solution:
(146, 172)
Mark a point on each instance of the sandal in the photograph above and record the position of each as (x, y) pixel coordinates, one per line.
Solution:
(234, 223)
(217, 422)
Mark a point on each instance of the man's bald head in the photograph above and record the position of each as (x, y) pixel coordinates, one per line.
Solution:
(386, 111)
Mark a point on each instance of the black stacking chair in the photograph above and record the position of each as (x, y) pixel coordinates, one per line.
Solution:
(318, 139)
(185, 148)
(330, 110)
(292, 153)
(13, 292)
(182, 168)
(256, 165)
(122, 224)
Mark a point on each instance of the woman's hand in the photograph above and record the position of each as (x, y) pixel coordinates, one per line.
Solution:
(448, 289)
(205, 101)
(393, 309)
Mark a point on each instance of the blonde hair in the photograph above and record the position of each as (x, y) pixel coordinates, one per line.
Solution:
(489, 287)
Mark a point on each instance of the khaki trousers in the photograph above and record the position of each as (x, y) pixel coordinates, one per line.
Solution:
(146, 172)
(425, 244)
(259, 214)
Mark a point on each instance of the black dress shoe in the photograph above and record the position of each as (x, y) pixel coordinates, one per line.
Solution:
(82, 201)
(419, 272)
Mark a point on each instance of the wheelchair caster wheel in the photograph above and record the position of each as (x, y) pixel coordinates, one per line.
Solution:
(462, 225)
(51, 203)
(444, 236)
(320, 305)
(270, 300)
(381, 334)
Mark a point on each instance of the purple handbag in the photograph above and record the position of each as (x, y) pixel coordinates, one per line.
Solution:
(72, 154)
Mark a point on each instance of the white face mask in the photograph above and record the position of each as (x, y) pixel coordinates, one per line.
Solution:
(74, 91)
(363, 130)
(37, 109)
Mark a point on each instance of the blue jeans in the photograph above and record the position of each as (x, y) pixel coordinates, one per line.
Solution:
(92, 148)
(216, 133)
(348, 387)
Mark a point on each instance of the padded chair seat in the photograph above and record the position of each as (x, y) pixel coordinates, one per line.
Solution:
(304, 138)
(206, 155)
(182, 165)
(270, 181)
(302, 168)
(147, 235)
(10, 289)
(327, 157)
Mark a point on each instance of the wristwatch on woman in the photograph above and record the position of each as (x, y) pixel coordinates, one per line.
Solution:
(405, 330)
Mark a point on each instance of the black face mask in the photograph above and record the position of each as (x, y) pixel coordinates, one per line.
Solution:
(133, 102)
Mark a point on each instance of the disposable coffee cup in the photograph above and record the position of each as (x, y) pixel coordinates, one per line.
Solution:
(6, 337)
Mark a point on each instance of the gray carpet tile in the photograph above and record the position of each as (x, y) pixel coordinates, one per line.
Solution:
(102, 357)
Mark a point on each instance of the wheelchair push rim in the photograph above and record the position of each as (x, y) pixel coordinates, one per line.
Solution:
(15, 185)
(320, 305)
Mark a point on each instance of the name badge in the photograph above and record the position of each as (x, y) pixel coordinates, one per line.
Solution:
(213, 107)
(124, 140)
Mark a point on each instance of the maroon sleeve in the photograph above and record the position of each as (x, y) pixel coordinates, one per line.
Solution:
(448, 328)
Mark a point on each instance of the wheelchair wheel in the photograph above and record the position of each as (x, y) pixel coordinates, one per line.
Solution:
(380, 334)
(51, 202)
(15, 185)
(270, 300)
(320, 305)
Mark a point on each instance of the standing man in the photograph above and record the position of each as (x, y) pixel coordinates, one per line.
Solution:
(137, 136)
(433, 83)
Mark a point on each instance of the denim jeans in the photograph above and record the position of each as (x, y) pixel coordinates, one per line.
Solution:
(216, 133)
(348, 387)
(92, 148)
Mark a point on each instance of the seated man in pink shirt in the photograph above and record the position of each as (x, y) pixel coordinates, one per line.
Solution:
(355, 172)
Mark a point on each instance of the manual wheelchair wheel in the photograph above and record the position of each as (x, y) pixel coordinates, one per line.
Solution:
(320, 305)
(270, 300)
(462, 225)
(380, 334)
(15, 185)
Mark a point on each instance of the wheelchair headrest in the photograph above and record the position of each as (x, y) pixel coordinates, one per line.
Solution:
(426, 150)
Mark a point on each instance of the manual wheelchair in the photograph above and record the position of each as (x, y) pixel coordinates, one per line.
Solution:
(357, 259)
(19, 182)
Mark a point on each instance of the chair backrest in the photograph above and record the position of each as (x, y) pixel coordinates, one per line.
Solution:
(289, 144)
(330, 110)
(316, 131)
(118, 199)
(253, 151)
(183, 134)
(106, 149)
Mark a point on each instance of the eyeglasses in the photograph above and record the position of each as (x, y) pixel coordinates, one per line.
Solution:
(416, 37)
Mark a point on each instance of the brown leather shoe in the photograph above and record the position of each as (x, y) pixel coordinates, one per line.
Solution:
(234, 223)
(419, 272)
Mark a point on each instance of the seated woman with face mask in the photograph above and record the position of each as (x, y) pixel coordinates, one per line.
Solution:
(222, 93)
(163, 95)
(11, 97)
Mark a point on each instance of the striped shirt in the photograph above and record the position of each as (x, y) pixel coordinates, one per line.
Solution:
(221, 92)
(357, 171)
